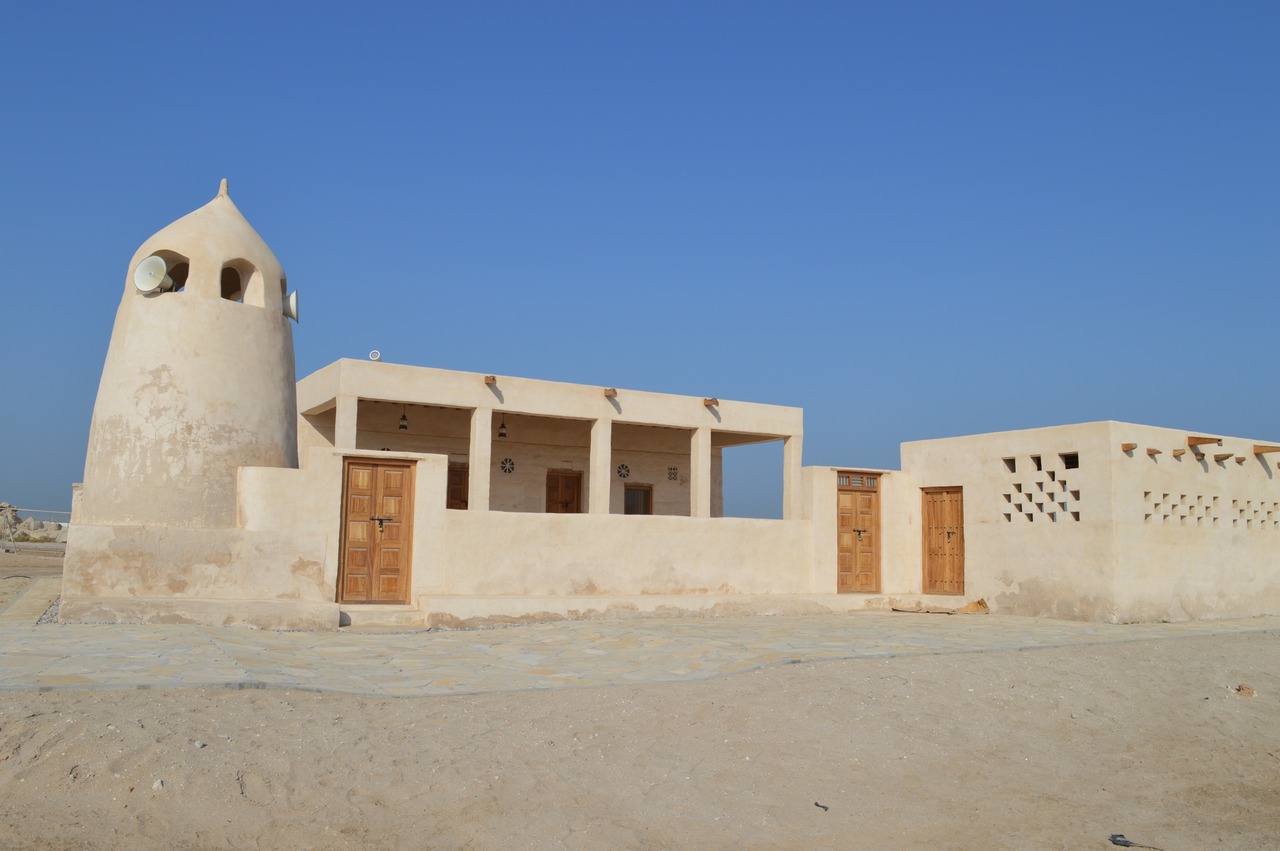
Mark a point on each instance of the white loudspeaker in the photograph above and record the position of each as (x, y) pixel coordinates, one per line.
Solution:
(375, 355)
(291, 306)
(151, 275)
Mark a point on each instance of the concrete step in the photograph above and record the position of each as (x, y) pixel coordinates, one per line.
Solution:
(378, 615)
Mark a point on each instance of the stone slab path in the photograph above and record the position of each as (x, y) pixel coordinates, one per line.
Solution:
(531, 656)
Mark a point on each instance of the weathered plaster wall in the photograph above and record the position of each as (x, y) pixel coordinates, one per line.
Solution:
(517, 554)
(1196, 536)
(901, 571)
(177, 412)
(1025, 550)
(1127, 536)
(159, 574)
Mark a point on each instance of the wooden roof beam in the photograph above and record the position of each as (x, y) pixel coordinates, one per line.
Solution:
(1151, 450)
(1264, 448)
(1128, 447)
(1196, 440)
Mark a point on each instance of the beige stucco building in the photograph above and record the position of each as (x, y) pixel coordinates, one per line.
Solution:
(218, 491)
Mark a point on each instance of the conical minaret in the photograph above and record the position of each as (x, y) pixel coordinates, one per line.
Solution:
(199, 377)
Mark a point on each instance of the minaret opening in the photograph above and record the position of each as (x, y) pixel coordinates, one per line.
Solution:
(232, 286)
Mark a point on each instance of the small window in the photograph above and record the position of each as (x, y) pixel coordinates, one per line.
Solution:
(1070, 460)
(1035, 459)
(638, 499)
(1011, 464)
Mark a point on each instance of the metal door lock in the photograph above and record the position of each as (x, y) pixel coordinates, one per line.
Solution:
(379, 519)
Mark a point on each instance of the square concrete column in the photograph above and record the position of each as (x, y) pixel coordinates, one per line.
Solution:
(700, 473)
(479, 459)
(344, 422)
(792, 493)
(601, 467)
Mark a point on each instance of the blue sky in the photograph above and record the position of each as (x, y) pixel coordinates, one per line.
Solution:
(912, 219)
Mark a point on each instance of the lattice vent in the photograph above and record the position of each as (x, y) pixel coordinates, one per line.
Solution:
(1043, 495)
(1182, 509)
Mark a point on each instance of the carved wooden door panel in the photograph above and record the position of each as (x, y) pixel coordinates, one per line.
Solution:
(858, 533)
(377, 532)
(943, 523)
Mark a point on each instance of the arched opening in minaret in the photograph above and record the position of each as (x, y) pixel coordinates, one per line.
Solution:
(241, 282)
(177, 268)
(232, 287)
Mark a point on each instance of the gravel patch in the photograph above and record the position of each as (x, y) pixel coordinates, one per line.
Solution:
(51, 614)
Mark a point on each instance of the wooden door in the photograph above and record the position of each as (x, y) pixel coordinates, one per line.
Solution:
(459, 486)
(943, 523)
(377, 532)
(564, 493)
(858, 533)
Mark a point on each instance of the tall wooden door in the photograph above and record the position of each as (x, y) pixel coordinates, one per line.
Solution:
(377, 532)
(459, 486)
(858, 533)
(943, 523)
(564, 493)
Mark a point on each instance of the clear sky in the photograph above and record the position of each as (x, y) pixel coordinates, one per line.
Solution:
(912, 219)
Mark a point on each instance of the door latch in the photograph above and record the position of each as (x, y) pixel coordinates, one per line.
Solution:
(379, 519)
(950, 532)
(860, 531)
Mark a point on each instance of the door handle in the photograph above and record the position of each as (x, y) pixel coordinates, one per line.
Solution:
(860, 531)
(379, 519)
(949, 534)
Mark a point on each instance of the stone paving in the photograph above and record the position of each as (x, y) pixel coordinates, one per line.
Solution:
(531, 656)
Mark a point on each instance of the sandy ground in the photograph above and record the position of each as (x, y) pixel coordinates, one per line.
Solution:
(18, 569)
(1037, 749)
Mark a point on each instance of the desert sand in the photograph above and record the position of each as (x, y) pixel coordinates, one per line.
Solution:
(1055, 748)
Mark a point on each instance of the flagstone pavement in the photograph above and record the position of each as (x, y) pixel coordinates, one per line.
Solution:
(531, 656)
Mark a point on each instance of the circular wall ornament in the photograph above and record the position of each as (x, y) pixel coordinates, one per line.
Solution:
(507, 465)
(623, 471)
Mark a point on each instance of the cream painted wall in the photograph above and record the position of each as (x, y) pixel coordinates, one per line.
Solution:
(1197, 536)
(502, 554)
(1158, 537)
(1024, 552)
